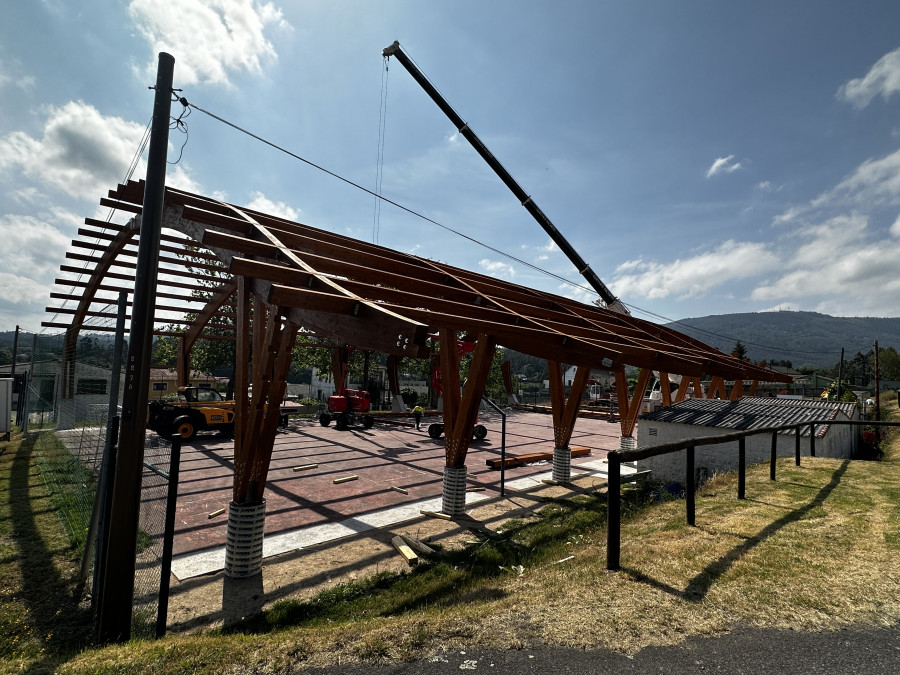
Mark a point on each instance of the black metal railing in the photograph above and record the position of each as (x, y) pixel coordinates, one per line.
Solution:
(616, 457)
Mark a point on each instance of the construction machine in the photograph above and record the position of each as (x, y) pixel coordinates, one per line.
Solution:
(611, 301)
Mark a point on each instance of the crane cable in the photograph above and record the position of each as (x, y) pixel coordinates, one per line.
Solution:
(379, 160)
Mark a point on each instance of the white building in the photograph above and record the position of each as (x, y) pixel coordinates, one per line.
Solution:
(695, 418)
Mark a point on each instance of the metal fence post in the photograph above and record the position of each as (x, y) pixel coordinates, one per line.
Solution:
(797, 444)
(689, 484)
(168, 538)
(742, 467)
(812, 440)
(613, 511)
(773, 456)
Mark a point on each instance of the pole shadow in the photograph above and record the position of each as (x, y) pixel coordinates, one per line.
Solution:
(699, 586)
(52, 601)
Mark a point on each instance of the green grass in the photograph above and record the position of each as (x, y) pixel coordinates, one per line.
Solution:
(40, 616)
(71, 485)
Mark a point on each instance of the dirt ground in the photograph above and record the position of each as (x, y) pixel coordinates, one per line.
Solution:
(381, 457)
(213, 600)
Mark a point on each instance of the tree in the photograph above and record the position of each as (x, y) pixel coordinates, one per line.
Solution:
(889, 363)
(739, 351)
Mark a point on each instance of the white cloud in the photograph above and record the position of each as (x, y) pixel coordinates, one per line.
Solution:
(81, 152)
(260, 202)
(883, 78)
(18, 290)
(836, 258)
(497, 268)
(874, 183)
(723, 165)
(39, 247)
(210, 39)
(693, 277)
(180, 178)
(11, 73)
(768, 186)
(549, 246)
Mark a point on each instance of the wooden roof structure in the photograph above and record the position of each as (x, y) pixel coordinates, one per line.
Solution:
(365, 295)
(269, 278)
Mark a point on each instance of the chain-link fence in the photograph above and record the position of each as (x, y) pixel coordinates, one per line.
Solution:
(65, 392)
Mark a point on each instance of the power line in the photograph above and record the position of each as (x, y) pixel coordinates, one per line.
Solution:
(380, 198)
(385, 199)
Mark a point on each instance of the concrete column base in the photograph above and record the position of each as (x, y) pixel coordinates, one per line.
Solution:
(562, 464)
(454, 497)
(244, 539)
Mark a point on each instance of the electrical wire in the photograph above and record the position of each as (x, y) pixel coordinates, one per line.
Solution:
(386, 199)
(380, 198)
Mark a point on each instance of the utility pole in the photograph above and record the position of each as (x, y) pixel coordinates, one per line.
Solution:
(840, 375)
(12, 374)
(114, 623)
(877, 391)
(12, 368)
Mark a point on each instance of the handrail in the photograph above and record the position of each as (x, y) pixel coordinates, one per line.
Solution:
(616, 457)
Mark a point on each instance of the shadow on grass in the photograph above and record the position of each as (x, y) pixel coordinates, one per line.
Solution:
(699, 586)
(52, 601)
(450, 578)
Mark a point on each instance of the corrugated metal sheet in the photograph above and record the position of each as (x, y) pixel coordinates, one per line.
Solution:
(752, 412)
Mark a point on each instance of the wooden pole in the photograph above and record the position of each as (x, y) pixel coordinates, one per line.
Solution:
(114, 622)
(877, 396)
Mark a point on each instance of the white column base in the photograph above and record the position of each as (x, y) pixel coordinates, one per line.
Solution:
(244, 539)
(454, 497)
(562, 464)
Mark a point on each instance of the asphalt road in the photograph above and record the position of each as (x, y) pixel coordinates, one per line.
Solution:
(745, 650)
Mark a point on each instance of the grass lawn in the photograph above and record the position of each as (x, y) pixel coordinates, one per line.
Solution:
(815, 550)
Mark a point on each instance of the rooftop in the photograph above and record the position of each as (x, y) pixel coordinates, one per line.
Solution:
(751, 412)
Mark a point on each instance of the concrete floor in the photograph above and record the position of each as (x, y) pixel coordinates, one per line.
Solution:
(381, 457)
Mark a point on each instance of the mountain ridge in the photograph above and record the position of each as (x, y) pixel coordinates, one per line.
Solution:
(803, 338)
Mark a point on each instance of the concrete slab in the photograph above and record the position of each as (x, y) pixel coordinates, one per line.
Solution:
(306, 508)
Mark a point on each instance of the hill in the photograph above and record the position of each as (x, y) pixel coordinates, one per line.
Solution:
(803, 338)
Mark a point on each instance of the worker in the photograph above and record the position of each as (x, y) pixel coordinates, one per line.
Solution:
(417, 414)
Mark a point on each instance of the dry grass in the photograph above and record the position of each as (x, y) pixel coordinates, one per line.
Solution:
(815, 550)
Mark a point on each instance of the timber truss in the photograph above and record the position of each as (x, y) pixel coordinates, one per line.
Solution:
(296, 277)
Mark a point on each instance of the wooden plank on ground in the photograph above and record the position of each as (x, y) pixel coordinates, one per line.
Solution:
(403, 549)
(418, 545)
(530, 458)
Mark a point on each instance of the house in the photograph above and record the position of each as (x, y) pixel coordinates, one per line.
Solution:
(164, 381)
(699, 417)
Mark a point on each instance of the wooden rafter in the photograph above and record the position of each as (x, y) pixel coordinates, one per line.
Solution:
(629, 419)
(565, 411)
(460, 411)
(285, 275)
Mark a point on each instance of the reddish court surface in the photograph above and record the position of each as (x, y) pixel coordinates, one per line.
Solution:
(381, 457)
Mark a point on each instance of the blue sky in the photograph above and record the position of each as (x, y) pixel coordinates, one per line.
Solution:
(703, 157)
